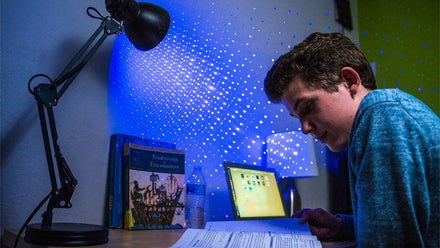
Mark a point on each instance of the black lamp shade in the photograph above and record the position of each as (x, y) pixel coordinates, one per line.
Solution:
(145, 24)
(149, 27)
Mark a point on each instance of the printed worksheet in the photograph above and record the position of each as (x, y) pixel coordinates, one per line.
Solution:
(274, 233)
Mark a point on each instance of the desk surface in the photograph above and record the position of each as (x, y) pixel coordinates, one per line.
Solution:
(142, 238)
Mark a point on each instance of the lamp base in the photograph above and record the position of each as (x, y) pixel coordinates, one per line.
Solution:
(66, 234)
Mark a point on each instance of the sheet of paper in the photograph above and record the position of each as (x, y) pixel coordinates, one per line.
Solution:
(286, 226)
(203, 238)
(225, 239)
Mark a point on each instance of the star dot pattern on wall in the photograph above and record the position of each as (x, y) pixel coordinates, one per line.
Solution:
(202, 87)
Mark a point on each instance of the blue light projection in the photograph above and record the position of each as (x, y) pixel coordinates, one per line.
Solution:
(202, 87)
(292, 154)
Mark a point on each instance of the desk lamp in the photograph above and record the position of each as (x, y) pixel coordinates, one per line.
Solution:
(145, 25)
(292, 154)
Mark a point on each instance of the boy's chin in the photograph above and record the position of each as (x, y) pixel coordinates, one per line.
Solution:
(336, 148)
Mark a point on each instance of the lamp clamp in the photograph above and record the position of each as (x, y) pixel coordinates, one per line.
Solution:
(111, 26)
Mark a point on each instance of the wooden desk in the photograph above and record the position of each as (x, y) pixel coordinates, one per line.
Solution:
(117, 238)
(131, 239)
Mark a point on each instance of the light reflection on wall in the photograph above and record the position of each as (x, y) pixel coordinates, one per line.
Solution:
(292, 154)
(202, 87)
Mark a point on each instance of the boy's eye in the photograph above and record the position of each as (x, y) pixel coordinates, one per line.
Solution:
(307, 108)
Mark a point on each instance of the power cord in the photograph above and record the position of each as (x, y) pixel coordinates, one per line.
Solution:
(30, 218)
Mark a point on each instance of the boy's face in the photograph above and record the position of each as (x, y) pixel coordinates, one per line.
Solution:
(326, 116)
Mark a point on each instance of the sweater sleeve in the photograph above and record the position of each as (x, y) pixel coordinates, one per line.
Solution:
(389, 188)
(347, 229)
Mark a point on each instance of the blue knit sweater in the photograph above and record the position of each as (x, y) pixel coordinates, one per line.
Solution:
(394, 161)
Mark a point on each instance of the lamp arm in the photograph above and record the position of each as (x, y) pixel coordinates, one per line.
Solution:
(47, 97)
(59, 197)
(110, 26)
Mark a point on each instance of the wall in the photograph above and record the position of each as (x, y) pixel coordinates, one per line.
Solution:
(41, 37)
(243, 39)
(402, 37)
(202, 87)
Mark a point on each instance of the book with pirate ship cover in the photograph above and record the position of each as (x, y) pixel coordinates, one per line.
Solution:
(114, 191)
(153, 187)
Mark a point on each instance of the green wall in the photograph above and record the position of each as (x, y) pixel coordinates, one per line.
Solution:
(402, 37)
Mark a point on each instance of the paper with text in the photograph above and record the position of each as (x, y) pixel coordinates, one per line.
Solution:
(276, 233)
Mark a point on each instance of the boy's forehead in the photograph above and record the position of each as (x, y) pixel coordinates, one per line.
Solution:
(293, 94)
(296, 89)
(298, 92)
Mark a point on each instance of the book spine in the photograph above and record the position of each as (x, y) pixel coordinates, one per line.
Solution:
(110, 181)
(128, 218)
(117, 199)
(117, 142)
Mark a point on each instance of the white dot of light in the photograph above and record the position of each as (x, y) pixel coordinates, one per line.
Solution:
(291, 160)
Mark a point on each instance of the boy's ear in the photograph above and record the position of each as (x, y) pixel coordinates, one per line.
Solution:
(351, 79)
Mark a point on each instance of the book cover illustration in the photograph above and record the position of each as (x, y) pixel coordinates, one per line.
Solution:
(154, 187)
(117, 141)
